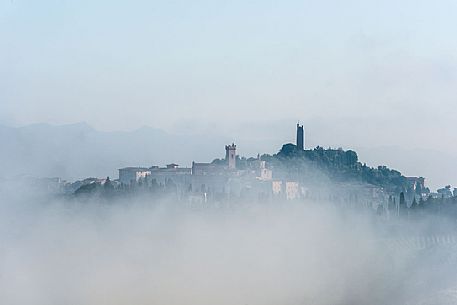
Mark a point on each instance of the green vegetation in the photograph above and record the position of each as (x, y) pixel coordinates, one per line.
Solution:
(336, 165)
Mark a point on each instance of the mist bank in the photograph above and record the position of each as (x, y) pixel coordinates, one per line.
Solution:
(135, 250)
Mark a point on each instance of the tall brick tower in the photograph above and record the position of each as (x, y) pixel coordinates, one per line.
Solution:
(300, 137)
(230, 155)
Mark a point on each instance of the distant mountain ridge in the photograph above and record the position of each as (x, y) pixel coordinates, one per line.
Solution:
(77, 150)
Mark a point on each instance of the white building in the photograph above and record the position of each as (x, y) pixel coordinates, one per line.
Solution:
(276, 187)
(292, 190)
(129, 175)
(263, 173)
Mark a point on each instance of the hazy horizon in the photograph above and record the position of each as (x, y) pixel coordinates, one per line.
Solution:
(431, 163)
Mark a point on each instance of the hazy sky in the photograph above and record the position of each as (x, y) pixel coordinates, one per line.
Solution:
(380, 72)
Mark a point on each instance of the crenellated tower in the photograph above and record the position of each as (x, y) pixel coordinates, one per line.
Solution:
(230, 156)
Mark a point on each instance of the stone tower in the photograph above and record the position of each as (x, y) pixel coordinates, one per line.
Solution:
(230, 155)
(300, 137)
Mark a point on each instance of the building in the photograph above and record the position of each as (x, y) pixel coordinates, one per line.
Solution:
(207, 169)
(445, 192)
(217, 180)
(129, 175)
(230, 156)
(263, 173)
(300, 137)
(292, 190)
(171, 173)
(416, 183)
(276, 187)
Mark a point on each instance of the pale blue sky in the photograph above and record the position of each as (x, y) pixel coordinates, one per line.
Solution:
(278, 59)
(222, 65)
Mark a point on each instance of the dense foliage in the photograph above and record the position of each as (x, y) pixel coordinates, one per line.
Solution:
(336, 165)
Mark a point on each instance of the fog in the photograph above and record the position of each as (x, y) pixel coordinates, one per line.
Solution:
(139, 251)
(161, 82)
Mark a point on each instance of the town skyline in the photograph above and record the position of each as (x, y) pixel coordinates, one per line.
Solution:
(430, 162)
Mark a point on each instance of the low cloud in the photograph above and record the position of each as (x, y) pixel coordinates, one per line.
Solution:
(142, 252)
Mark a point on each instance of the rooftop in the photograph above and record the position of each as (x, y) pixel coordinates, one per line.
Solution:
(134, 169)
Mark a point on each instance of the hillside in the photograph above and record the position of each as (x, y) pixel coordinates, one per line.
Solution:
(321, 165)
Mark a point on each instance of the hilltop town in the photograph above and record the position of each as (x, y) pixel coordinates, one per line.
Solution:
(295, 173)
